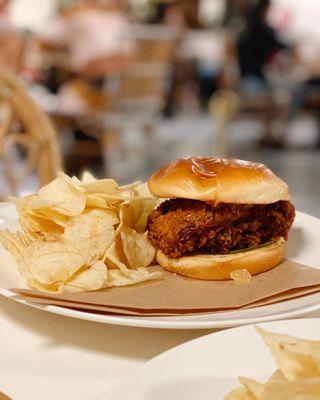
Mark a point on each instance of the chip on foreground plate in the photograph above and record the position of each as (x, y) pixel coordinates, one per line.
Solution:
(83, 235)
(298, 376)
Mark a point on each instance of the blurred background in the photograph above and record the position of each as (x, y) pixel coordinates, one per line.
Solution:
(121, 87)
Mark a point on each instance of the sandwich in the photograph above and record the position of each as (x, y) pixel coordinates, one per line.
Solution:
(218, 216)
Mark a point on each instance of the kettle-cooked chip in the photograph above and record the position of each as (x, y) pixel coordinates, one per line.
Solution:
(94, 201)
(253, 387)
(87, 177)
(93, 278)
(64, 196)
(134, 214)
(137, 249)
(83, 235)
(102, 186)
(133, 276)
(296, 358)
(91, 233)
(240, 394)
(12, 242)
(306, 389)
(51, 262)
(298, 376)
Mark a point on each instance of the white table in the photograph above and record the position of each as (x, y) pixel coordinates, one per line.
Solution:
(47, 356)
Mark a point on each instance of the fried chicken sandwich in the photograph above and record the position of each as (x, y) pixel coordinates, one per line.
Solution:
(219, 215)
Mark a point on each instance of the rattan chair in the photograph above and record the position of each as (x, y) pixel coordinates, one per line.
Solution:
(24, 125)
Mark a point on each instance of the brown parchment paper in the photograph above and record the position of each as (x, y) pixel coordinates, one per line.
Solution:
(174, 294)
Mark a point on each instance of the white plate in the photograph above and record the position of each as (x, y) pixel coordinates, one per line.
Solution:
(207, 368)
(303, 246)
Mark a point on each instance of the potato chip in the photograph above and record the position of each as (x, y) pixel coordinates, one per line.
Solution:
(134, 214)
(297, 365)
(91, 233)
(48, 213)
(94, 201)
(133, 276)
(17, 241)
(119, 274)
(306, 389)
(11, 242)
(96, 225)
(138, 250)
(102, 186)
(276, 376)
(93, 278)
(131, 187)
(64, 196)
(296, 358)
(29, 220)
(254, 387)
(115, 197)
(25, 238)
(76, 181)
(87, 177)
(298, 377)
(54, 288)
(50, 262)
(114, 260)
(240, 394)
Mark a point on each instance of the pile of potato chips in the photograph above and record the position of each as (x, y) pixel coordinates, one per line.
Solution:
(83, 235)
(298, 376)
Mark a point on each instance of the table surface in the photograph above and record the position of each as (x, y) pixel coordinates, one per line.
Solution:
(49, 356)
(65, 358)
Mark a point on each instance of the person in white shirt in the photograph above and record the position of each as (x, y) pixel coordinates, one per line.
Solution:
(95, 35)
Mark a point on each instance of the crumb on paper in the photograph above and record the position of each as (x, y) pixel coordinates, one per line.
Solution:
(241, 276)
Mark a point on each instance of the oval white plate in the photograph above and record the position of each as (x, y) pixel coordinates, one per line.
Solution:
(207, 368)
(303, 246)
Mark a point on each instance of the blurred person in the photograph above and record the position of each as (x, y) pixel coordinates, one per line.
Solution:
(258, 49)
(168, 13)
(95, 33)
(307, 90)
(256, 46)
(95, 37)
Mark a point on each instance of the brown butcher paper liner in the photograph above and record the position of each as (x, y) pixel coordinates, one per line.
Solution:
(176, 295)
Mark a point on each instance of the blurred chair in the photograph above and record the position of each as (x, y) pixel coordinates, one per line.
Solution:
(25, 128)
(139, 92)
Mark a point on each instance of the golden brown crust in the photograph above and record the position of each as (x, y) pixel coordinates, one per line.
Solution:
(219, 267)
(218, 180)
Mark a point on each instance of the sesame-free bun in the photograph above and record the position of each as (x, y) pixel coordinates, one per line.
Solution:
(219, 267)
(218, 180)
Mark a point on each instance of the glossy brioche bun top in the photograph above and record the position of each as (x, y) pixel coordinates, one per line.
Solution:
(218, 180)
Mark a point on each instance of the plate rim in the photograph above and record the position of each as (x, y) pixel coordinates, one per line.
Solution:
(181, 323)
(158, 357)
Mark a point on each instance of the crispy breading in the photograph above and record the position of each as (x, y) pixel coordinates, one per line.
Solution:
(181, 227)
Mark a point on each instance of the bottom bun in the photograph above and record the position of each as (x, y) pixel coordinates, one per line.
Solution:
(218, 267)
